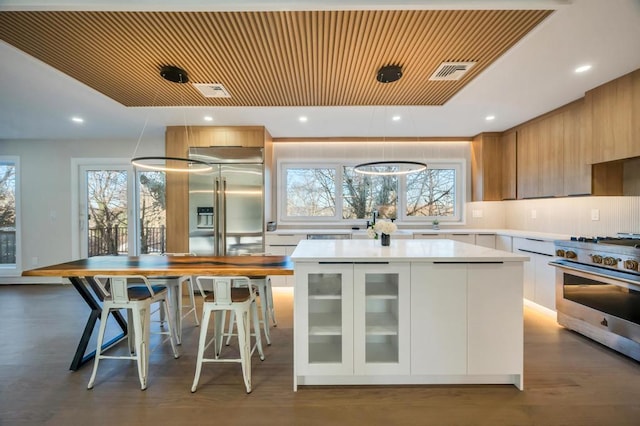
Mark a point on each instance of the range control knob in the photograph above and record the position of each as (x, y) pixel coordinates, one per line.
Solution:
(631, 264)
(560, 253)
(611, 261)
(596, 258)
(570, 254)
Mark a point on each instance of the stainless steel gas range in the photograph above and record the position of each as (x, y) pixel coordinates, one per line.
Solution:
(598, 289)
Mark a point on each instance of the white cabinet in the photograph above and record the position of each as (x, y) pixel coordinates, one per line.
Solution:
(282, 245)
(352, 319)
(504, 242)
(439, 318)
(463, 320)
(480, 239)
(381, 318)
(427, 236)
(463, 237)
(486, 240)
(539, 276)
(323, 341)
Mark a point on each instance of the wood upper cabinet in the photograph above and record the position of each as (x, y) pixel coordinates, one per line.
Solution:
(486, 170)
(508, 141)
(577, 150)
(614, 108)
(550, 167)
(527, 162)
(540, 158)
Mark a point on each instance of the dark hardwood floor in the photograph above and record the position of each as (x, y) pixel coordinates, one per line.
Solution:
(569, 380)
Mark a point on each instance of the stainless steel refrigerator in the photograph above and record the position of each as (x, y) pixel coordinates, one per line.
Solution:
(226, 205)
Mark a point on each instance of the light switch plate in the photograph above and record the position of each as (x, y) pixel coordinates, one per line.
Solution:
(595, 214)
(476, 213)
(534, 214)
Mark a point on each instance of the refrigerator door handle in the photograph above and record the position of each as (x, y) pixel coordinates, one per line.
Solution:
(216, 231)
(223, 220)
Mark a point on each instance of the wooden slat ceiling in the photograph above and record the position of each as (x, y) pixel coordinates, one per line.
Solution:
(295, 58)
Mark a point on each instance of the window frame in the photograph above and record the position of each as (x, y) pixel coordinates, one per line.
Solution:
(459, 164)
(14, 269)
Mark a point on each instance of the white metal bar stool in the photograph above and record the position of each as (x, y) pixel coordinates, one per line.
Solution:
(137, 300)
(174, 284)
(263, 286)
(239, 300)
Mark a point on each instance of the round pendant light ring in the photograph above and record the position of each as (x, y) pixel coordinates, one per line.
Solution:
(387, 168)
(187, 165)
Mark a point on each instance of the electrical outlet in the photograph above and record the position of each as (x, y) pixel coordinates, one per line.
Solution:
(534, 214)
(34, 261)
(476, 213)
(595, 214)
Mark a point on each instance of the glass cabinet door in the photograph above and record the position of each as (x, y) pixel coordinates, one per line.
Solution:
(381, 319)
(324, 330)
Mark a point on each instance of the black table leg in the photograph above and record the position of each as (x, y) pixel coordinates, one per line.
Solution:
(96, 310)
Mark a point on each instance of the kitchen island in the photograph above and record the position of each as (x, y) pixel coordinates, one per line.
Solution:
(416, 312)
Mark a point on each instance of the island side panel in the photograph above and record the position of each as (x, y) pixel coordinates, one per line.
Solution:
(495, 319)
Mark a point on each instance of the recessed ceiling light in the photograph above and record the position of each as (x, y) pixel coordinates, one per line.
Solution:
(396, 118)
(302, 119)
(583, 68)
(490, 117)
(208, 118)
(77, 119)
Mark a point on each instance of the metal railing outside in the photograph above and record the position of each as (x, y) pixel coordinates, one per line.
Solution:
(7, 247)
(114, 240)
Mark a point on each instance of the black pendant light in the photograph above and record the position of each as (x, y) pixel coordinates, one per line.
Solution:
(389, 73)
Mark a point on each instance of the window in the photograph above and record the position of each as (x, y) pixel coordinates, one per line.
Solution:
(9, 240)
(336, 192)
(433, 193)
(310, 192)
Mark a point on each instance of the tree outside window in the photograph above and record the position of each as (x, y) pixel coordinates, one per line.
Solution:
(431, 193)
(311, 192)
(364, 194)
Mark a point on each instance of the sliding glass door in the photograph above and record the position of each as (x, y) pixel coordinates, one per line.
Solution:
(121, 213)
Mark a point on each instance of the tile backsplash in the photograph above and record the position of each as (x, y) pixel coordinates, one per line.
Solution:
(588, 216)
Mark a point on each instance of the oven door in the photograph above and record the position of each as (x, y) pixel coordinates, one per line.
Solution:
(600, 305)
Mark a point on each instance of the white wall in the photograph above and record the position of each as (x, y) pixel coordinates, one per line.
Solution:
(46, 189)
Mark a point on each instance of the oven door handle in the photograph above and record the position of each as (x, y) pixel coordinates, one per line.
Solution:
(612, 275)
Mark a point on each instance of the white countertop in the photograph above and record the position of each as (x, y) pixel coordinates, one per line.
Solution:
(545, 236)
(436, 250)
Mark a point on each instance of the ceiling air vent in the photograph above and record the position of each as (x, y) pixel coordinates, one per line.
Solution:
(451, 71)
(212, 90)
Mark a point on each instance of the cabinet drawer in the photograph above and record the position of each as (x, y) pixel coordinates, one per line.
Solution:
(533, 245)
(418, 236)
(284, 239)
(463, 237)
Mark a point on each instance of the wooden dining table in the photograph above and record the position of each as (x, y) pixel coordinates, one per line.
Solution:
(81, 272)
